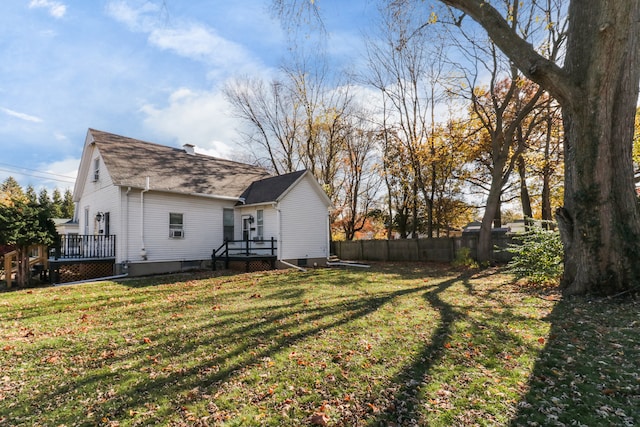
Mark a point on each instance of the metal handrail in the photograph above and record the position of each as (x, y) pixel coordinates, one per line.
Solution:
(246, 248)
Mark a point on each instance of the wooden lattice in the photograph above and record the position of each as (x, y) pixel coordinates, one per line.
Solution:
(75, 272)
(254, 265)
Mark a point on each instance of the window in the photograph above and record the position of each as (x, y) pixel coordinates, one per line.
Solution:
(176, 228)
(260, 224)
(227, 222)
(96, 169)
(107, 223)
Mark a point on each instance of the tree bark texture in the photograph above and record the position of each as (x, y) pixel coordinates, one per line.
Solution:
(490, 212)
(598, 90)
(525, 198)
(599, 221)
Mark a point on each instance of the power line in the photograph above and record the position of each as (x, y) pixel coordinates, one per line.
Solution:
(36, 170)
(67, 179)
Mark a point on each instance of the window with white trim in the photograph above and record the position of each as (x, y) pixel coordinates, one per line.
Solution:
(96, 169)
(228, 224)
(176, 225)
(260, 224)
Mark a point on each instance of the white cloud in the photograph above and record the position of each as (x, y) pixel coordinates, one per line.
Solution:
(64, 170)
(56, 8)
(185, 38)
(21, 116)
(198, 118)
(197, 42)
(135, 18)
(59, 136)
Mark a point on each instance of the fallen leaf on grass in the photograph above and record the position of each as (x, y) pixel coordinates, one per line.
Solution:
(319, 419)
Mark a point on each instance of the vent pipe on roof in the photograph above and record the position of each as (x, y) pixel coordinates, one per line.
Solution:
(189, 149)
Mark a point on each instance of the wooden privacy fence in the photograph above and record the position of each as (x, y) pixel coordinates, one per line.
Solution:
(442, 249)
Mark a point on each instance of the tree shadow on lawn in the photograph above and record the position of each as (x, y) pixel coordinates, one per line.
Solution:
(149, 376)
(588, 373)
(185, 367)
(469, 361)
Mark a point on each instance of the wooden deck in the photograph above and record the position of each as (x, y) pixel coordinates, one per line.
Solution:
(250, 252)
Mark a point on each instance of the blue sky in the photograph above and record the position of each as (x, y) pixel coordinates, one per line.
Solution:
(135, 68)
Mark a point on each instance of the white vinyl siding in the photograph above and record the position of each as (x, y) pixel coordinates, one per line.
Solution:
(269, 220)
(101, 196)
(203, 231)
(304, 222)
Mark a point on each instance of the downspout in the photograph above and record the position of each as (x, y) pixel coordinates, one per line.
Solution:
(124, 243)
(279, 232)
(328, 253)
(143, 250)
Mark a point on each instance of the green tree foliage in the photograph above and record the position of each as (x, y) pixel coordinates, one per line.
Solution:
(537, 256)
(23, 224)
(44, 199)
(56, 205)
(31, 194)
(11, 186)
(67, 207)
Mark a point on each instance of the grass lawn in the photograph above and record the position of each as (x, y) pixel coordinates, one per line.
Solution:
(394, 345)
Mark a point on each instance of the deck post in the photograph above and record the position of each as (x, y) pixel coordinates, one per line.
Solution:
(226, 255)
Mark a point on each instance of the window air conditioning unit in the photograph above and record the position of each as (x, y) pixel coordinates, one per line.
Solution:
(96, 176)
(175, 233)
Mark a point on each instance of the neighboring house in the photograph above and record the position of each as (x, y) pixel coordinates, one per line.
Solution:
(66, 226)
(166, 209)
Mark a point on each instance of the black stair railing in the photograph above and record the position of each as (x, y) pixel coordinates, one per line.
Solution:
(242, 248)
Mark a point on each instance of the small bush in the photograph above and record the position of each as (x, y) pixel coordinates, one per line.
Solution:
(537, 257)
(463, 259)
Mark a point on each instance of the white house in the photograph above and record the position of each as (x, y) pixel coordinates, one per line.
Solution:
(162, 209)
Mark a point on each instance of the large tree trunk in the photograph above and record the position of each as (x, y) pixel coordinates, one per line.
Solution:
(490, 211)
(599, 222)
(598, 90)
(547, 215)
(525, 198)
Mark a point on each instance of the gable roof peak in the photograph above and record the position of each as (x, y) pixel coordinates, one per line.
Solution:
(270, 189)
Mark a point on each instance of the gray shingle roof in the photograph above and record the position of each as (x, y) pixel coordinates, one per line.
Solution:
(129, 161)
(269, 189)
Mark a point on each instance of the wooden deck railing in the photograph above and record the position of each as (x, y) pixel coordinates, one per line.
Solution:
(243, 249)
(38, 257)
(84, 246)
